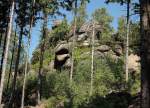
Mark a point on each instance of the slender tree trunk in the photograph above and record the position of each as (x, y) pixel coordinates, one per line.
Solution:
(42, 58)
(12, 58)
(127, 41)
(24, 80)
(1, 38)
(3, 54)
(92, 59)
(27, 58)
(73, 43)
(145, 53)
(16, 69)
(6, 51)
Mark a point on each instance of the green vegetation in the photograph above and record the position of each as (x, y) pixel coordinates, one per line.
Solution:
(45, 79)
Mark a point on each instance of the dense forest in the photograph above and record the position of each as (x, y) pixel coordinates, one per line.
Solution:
(82, 63)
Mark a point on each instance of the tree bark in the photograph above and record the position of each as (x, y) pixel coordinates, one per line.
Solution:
(127, 40)
(12, 58)
(3, 54)
(6, 51)
(27, 57)
(1, 35)
(92, 59)
(145, 53)
(42, 48)
(16, 69)
(73, 43)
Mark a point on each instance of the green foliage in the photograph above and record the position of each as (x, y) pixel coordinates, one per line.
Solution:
(102, 17)
(81, 16)
(108, 76)
(121, 28)
(59, 33)
(134, 34)
(35, 56)
(134, 37)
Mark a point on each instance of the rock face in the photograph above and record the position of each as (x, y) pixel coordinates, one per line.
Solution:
(83, 39)
(85, 31)
(61, 56)
(88, 27)
(103, 48)
(86, 43)
(118, 50)
(133, 63)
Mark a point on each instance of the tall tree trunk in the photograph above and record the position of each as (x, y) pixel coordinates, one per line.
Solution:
(1, 38)
(127, 41)
(16, 69)
(42, 48)
(27, 57)
(74, 40)
(24, 80)
(12, 58)
(6, 51)
(3, 54)
(92, 59)
(145, 53)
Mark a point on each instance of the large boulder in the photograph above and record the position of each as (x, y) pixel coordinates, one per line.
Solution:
(118, 50)
(103, 48)
(88, 27)
(133, 63)
(62, 54)
(68, 63)
(86, 43)
(82, 37)
(62, 45)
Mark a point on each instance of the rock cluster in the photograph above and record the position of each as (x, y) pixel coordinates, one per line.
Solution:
(83, 38)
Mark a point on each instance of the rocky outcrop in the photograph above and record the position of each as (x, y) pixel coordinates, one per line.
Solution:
(85, 31)
(103, 48)
(62, 55)
(118, 50)
(83, 39)
(88, 27)
(133, 63)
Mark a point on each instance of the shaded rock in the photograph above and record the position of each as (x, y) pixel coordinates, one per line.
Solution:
(88, 27)
(136, 101)
(133, 63)
(118, 50)
(82, 37)
(68, 63)
(113, 55)
(103, 48)
(61, 55)
(62, 45)
(86, 43)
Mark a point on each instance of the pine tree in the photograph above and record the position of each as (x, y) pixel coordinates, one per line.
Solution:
(6, 51)
(145, 53)
(42, 50)
(73, 43)
(127, 40)
(27, 54)
(92, 59)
